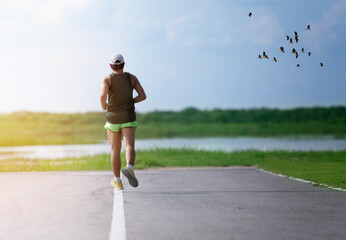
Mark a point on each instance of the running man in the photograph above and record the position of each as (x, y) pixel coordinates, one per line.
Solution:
(121, 117)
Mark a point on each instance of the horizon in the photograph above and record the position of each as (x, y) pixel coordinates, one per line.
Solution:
(179, 110)
(203, 55)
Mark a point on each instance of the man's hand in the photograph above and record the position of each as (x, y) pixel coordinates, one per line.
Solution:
(105, 106)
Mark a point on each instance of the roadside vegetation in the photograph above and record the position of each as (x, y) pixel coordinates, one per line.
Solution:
(322, 167)
(39, 128)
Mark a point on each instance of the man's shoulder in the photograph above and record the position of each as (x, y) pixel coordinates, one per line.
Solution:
(133, 77)
(107, 79)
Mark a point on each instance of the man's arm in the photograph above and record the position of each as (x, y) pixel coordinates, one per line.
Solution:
(139, 89)
(104, 92)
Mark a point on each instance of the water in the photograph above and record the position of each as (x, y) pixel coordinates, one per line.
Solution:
(223, 144)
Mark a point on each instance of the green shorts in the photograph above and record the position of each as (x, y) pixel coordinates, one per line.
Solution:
(118, 127)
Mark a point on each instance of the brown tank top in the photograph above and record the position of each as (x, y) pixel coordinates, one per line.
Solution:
(121, 107)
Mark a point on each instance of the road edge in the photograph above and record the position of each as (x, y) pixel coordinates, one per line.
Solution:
(302, 180)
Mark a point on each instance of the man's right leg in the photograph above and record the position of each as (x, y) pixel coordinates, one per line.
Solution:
(129, 142)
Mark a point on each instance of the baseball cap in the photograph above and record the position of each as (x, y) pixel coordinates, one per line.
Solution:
(116, 59)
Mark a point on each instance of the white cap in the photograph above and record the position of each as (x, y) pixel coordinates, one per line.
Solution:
(115, 58)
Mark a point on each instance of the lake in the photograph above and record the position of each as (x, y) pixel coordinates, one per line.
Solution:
(223, 144)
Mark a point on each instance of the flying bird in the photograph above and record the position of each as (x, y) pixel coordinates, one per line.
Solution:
(294, 50)
(308, 27)
(287, 37)
(296, 34)
(309, 53)
(291, 42)
(265, 55)
(282, 49)
(259, 56)
(296, 38)
(250, 14)
(296, 55)
(274, 59)
(321, 64)
(298, 65)
(303, 50)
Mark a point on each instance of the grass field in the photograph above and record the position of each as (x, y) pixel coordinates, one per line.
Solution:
(162, 130)
(323, 167)
(26, 128)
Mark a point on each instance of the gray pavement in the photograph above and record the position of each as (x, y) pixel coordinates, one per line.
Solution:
(231, 203)
(214, 203)
(55, 205)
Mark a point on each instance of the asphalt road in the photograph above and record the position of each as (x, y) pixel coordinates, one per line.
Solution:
(55, 205)
(214, 203)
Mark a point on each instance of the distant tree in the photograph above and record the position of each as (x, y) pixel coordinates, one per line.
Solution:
(259, 115)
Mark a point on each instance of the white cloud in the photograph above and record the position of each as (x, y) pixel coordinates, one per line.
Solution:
(263, 29)
(176, 28)
(39, 11)
(324, 29)
(199, 30)
(33, 22)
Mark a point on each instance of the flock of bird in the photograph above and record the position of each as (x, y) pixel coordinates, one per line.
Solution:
(290, 40)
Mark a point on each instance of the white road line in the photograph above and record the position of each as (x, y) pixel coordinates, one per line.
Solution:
(302, 180)
(118, 229)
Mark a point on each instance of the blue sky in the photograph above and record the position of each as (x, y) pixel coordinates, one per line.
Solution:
(202, 53)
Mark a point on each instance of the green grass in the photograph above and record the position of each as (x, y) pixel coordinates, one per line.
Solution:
(162, 130)
(322, 167)
(27, 128)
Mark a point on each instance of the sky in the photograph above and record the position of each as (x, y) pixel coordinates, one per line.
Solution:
(54, 54)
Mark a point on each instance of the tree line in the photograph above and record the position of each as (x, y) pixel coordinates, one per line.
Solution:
(335, 114)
